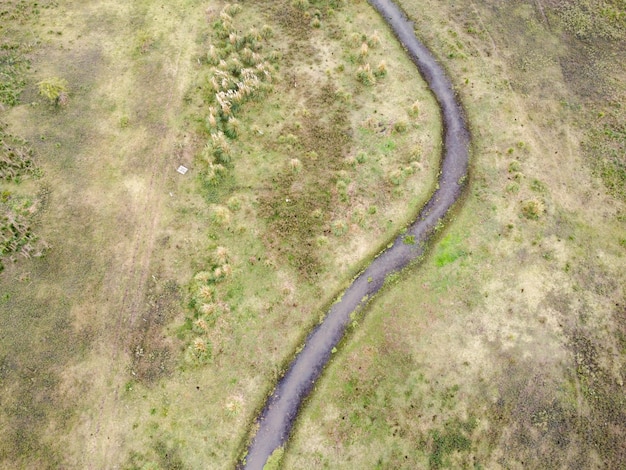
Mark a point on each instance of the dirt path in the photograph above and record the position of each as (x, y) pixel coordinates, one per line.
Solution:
(101, 430)
(278, 415)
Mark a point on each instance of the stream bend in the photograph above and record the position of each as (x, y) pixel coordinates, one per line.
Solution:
(279, 414)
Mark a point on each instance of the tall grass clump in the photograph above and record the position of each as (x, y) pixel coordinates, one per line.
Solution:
(206, 305)
(238, 73)
(365, 75)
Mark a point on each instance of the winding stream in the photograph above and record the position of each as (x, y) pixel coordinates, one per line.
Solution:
(278, 415)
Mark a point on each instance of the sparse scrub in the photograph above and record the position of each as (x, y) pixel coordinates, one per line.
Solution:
(16, 157)
(13, 66)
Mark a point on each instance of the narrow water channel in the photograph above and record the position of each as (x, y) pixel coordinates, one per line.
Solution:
(280, 411)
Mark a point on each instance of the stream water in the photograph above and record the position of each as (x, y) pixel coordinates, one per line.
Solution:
(280, 411)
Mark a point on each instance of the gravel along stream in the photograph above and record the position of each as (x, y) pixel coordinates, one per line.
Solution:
(278, 415)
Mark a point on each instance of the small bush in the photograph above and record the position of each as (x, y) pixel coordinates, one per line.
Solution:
(220, 255)
(220, 215)
(515, 166)
(54, 89)
(363, 51)
(532, 209)
(374, 40)
(234, 204)
(295, 165)
(400, 127)
(381, 70)
(300, 4)
(232, 9)
(365, 75)
(396, 177)
(200, 351)
(339, 228)
(267, 32)
(414, 110)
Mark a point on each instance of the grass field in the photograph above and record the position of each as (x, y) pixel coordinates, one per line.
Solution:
(164, 307)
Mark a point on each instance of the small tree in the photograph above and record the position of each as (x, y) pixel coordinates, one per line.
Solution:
(54, 89)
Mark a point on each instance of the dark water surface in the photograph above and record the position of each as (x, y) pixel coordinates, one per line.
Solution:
(278, 415)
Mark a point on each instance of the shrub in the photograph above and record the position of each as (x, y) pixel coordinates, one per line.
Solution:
(400, 127)
(374, 40)
(381, 70)
(54, 89)
(396, 177)
(232, 9)
(267, 32)
(221, 148)
(300, 4)
(213, 56)
(365, 76)
(295, 165)
(339, 228)
(363, 51)
(205, 293)
(200, 351)
(231, 129)
(532, 209)
(221, 255)
(234, 204)
(220, 215)
(214, 173)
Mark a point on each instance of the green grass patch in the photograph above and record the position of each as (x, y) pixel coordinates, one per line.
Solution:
(449, 249)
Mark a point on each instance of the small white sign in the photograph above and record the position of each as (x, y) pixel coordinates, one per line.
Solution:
(182, 169)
